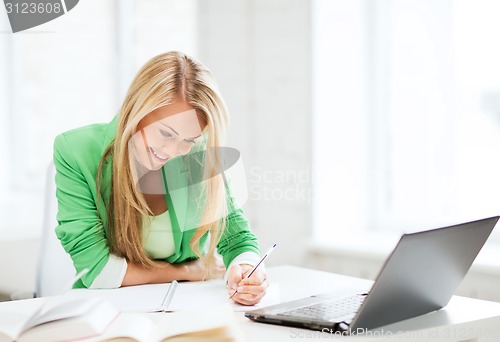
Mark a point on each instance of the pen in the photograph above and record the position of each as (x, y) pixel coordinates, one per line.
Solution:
(169, 296)
(269, 251)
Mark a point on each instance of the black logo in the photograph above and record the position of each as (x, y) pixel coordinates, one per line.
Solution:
(25, 14)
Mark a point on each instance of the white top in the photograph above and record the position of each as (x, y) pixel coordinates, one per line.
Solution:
(157, 236)
(158, 242)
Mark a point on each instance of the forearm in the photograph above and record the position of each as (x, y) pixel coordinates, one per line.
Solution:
(136, 274)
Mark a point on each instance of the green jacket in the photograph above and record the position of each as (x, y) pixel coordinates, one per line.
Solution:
(82, 223)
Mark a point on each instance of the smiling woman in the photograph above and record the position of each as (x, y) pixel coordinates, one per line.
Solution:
(115, 188)
(156, 140)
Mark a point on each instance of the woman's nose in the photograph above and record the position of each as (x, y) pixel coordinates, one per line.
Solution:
(170, 149)
(176, 147)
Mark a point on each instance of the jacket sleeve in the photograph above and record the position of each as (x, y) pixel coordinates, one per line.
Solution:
(237, 237)
(80, 228)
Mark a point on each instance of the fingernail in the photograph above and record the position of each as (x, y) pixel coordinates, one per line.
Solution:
(239, 289)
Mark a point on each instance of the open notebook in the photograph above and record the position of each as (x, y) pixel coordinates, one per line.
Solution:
(187, 296)
(202, 311)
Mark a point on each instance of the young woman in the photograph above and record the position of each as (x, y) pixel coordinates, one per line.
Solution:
(144, 199)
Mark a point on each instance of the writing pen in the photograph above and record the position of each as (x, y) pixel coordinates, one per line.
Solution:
(269, 251)
(169, 296)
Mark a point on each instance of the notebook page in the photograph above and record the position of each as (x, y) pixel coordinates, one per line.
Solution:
(140, 298)
(204, 295)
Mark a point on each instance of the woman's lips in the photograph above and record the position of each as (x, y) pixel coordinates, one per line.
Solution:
(159, 157)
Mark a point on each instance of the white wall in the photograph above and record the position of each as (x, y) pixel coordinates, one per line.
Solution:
(259, 52)
(18, 260)
(366, 257)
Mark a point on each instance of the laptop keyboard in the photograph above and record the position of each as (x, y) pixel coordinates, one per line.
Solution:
(335, 310)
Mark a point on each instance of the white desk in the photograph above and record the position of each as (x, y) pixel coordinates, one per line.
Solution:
(464, 319)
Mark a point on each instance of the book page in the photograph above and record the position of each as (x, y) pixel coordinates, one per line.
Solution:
(202, 323)
(193, 325)
(46, 319)
(127, 327)
(91, 322)
(15, 314)
(58, 307)
(11, 325)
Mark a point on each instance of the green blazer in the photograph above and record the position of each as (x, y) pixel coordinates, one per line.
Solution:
(83, 226)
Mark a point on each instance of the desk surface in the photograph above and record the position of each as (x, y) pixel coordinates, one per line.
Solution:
(463, 319)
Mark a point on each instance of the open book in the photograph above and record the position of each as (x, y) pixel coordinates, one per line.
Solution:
(54, 319)
(217, 325)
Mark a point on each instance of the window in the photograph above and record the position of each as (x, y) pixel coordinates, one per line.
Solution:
(71, 72)
(407, 114)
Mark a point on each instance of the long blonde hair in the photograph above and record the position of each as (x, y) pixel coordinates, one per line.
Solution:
(163, 79)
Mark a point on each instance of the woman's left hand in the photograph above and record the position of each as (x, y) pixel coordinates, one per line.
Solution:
(250, 290)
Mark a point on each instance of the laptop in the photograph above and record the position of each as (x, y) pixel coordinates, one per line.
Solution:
(420, 276)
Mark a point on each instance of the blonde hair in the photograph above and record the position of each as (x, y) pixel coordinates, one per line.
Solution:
(164, 78)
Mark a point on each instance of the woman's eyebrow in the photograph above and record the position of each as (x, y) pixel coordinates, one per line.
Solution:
(170, 128)
(196, 137)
